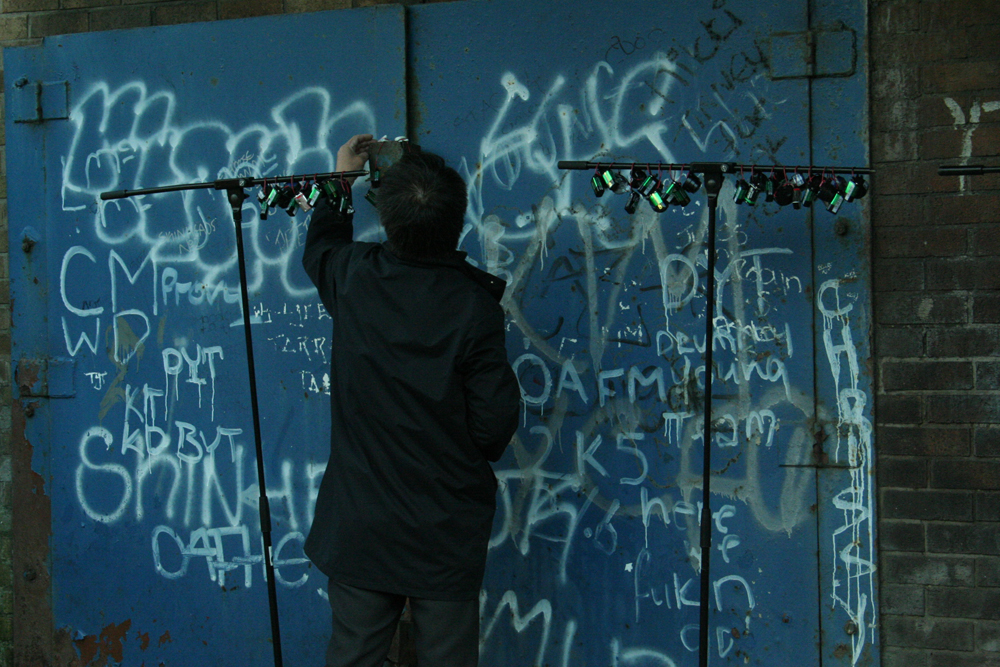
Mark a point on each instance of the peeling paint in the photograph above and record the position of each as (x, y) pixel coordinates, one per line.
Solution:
(96, 650)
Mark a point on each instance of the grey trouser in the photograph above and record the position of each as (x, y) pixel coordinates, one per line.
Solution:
(446, 632)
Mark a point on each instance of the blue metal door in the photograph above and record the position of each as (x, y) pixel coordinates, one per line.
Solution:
(129, 344)
(595, 555)
(128, 315)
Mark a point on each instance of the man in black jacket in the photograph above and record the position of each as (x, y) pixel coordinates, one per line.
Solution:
(422, 398)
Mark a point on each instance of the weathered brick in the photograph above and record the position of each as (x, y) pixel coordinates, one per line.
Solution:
(899, 409)
(940, 143)
(927, 504)
(953, 602)
(935, 570)
(926, 375)
(964, 538)
(959, 76)
(967, 473)
(895, 275)
(13, 27)
(987, 506)
(900, 535)
(890, 147)
(189, 12)
(901, 657)
(121, 18)
(900, 472)
(894, 83)
(238, 9)
(88, 4)
(894, 116)
(985, 239)
(988, 571)
(946, 143)
(935, 111)
(315, 5)
(921, 308)
(58, 23)
(894, 17)
(986, 308)
(964, 659)
(894, 50)
(988, 636)
(907, 600)
(4, 244)
(898, 210)
(914, 178)
(935, 241)
(988, 378)
(938, 47)
(6, 559)
(899, 342)
(912, 632)
(968, 341)
(984, 184)
(10, 6)
(985, 140)
(948, 18)
(963, 273)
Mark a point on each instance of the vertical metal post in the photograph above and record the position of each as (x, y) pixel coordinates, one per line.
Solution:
(713, 183)
(236, 196)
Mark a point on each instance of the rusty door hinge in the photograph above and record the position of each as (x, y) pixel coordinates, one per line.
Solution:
(46, 378)
(39, 101)
(813, 54)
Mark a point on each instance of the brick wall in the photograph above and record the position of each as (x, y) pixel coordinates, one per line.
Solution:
(935, 96)
(935, 99)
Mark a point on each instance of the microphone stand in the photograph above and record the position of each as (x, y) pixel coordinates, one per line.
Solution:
(236, 194)
(714, 174)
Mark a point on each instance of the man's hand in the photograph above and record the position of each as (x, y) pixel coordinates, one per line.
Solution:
(353, 154)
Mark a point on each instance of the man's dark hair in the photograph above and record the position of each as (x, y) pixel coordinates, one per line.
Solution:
(421, 204)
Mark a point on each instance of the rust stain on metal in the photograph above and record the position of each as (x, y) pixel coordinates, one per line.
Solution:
(36, 642)
(143, 640)
(96, 651)
(165, 638)
(30, 378)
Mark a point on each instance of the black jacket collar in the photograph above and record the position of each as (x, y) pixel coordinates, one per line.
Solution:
(456, 260)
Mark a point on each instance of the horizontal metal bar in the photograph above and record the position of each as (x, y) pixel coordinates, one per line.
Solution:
(229, 183)
(967, 170)
(724, 167)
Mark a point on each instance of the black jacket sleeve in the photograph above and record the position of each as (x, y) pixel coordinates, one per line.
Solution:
(492, 395)
(329, 232)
